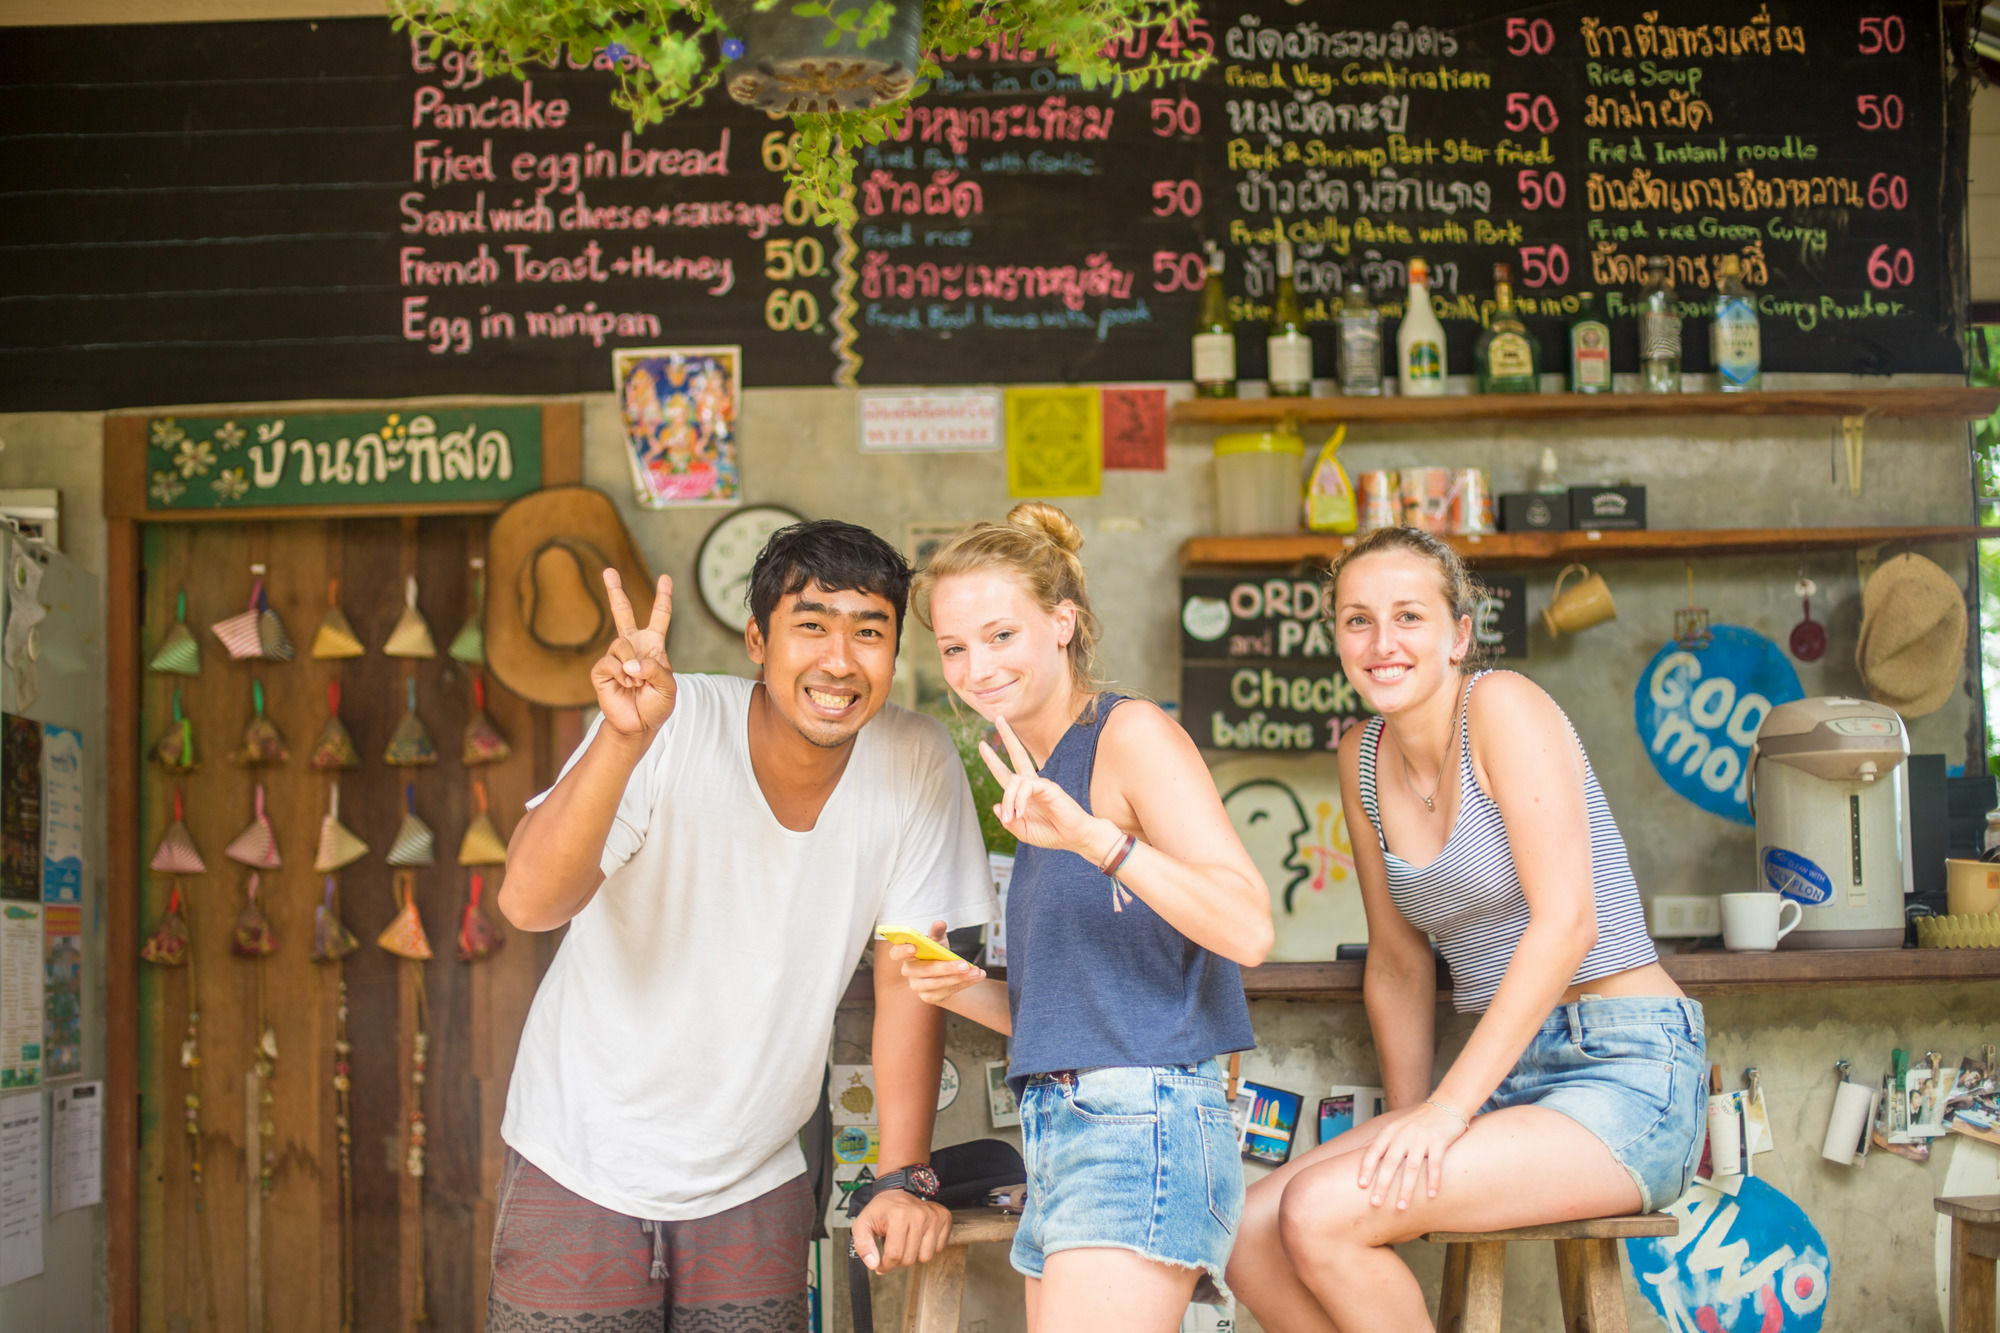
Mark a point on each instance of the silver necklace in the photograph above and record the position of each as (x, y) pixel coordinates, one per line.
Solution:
(1409, 777)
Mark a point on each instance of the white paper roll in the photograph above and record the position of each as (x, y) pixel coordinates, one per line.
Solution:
(1725, 1136)
(1852, 1103)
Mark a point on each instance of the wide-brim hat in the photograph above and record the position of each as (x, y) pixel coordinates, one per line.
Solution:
(1911, 649)
(547, 617)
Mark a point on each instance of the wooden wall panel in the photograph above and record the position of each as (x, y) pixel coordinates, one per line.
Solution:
(196, 1268)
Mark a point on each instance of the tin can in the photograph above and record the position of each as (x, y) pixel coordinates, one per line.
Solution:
(1425, 494)
(1375, 504)
(1470, 510)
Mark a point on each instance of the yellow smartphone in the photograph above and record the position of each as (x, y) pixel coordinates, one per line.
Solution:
(928, 949)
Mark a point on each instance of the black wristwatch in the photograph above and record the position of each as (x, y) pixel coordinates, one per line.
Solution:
(919, 1180)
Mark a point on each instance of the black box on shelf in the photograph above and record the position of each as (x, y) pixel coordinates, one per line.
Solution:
(1607, 507)
(1532, 511)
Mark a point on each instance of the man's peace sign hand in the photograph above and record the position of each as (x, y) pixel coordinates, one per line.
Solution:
(634, 681)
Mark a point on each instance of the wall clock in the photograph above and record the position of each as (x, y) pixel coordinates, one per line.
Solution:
(722, 566)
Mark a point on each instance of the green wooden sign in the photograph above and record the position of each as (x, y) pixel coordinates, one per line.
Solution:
(387, 458)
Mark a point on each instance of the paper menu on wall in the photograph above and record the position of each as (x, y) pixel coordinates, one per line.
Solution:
(76, 1148)
(20, 994)
(62, 814)
(20, 1187)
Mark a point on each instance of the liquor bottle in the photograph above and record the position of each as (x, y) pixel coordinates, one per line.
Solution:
(1290, 351)
(1659, 330)
(1589, 348)
(1733, 338)
(1360, 325)
(1214, 339)
(1507, 358)
(1420, 363)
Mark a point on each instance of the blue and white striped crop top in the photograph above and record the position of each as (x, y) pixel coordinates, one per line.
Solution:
(1469, 899)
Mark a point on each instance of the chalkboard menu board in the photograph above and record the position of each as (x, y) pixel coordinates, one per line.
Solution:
(265, 211)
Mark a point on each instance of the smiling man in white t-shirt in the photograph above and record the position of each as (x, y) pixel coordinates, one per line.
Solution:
(721, 850)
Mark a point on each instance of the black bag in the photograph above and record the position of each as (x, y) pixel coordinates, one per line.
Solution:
(967, 1173)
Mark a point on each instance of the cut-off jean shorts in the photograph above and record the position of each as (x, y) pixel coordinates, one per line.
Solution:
(1139, 1158)
(1632, 1071)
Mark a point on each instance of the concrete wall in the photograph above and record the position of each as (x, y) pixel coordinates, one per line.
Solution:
(1982, 222)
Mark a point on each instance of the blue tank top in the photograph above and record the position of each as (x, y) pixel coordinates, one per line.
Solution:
(1094, 976)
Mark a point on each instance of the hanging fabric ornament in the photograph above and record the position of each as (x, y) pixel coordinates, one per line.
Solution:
(338, 846)
(484, 743)
(469, 644)
(410, 744)
(335, 748)
(167, 943)
(251, 936)
(255, 632)
(262, 745)
(415, 845)
(335, 638)
(1808, 641)
(412, 635)
(404, 936)
(257, 845)
(178, 653)
(271, 636)
(332, 940)
(482, 844)
(478, 937)
(177, 854)
(174, 751)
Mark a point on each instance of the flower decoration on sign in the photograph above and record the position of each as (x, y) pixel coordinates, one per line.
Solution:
(231, 484)
(166, 433)
(166, 488)
(230, 436)
(194, 457)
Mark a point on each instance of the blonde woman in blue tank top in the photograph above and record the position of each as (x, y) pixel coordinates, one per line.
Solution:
(1131, 905)
(1477, 823)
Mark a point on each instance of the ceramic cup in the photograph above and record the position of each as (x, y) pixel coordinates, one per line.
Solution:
(1972, 888)
(1588, 603)
(1755, 922)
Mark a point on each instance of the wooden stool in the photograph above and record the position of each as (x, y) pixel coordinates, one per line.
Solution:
(931, 1301)
(1975, 1245)
(1587, 1271)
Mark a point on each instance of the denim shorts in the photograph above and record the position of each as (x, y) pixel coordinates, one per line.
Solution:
(1632, 1071)
(1139, 1158)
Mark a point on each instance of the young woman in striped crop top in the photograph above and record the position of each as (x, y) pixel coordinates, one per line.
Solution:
(1477, 823)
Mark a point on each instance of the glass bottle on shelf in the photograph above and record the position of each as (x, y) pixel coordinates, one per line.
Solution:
(1420, 359)
(1659, 330)
(1360, 327)
(1506, 358)
(1289, 350)
(1214, 338)
(1589, 348)
(1547, 476)
(1734, 342)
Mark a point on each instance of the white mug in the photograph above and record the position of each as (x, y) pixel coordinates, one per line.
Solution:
(1754, 922)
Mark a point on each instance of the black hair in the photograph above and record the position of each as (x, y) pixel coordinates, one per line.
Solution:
(837, 556)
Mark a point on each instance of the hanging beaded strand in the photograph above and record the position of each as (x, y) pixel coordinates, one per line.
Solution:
(344, 1124)
(191, 1061)
(265, 1061)
(413, 1161)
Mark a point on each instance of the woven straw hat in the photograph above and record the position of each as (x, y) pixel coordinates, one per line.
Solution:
(547, 620)
(1911, 650)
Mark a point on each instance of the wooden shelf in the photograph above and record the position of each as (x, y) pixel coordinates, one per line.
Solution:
(1707, 972)
(1547, 548)
(1947, 403)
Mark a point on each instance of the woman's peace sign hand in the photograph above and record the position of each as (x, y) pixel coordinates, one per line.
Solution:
(634, 681)
(1033, 808)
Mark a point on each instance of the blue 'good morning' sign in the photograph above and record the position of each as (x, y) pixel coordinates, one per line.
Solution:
(1698, 711)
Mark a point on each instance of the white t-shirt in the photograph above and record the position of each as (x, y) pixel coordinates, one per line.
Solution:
(677, 1042)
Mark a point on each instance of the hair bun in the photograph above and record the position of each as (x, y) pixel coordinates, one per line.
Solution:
(1049, 521)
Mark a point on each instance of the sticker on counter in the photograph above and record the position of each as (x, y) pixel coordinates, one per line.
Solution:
(1796, 878)
(1698, 712)
(857, 1143)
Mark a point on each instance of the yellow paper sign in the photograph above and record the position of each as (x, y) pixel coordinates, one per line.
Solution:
(1054, 443)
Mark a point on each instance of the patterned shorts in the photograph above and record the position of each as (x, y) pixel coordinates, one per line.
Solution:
(562, 1264)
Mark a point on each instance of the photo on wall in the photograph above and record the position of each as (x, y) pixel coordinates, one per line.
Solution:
(679, 408)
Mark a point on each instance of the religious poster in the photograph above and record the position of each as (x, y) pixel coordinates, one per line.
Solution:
(679, 407)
